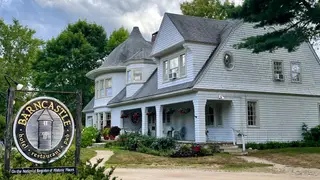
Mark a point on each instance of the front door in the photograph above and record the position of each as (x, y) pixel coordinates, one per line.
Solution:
(152, 125)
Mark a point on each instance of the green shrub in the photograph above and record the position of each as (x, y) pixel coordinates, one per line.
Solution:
(278, 145)
(146, 144)
(312, 134)
(88, 136)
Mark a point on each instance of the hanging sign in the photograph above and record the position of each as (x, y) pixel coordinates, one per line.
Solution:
(43, 130)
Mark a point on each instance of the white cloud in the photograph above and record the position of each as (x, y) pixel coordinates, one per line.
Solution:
(112, 14)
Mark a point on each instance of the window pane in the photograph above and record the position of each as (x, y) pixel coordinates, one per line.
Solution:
(182, 65)
(209, 116)
(252, 114)
(165, 70)
(129, 76)
(174, 63)
(102, 88)
(277, 68)
(109, 92)
(295, 72)
(137, 75)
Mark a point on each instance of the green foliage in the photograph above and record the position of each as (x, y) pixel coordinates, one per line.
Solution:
(146, 144)
(280, 145)
(116, 38)
(208, 8)
(88, 136)
(312, 134)
(106, 131)
(2, 127)
(89, 171)
(19, 49)
(64, 61)
(299, 19)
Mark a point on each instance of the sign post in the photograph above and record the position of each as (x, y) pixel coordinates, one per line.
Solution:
(43, 131)
(8, 136)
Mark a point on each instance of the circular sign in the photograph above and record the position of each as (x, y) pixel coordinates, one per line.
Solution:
(43, 130)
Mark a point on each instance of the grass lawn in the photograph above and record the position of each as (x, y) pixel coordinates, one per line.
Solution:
(122, 158)
(307, 157)
(86, 154)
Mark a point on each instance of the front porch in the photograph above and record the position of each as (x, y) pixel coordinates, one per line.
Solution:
(190, 121)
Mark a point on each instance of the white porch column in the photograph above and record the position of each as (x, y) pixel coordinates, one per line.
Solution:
(199, 120)
(104, 120)
(94, 120)
(159, 122)
(144, 128)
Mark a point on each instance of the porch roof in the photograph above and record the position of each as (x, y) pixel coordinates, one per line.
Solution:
(89, 106)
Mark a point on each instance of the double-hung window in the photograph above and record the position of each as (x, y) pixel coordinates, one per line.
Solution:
(252, 114)
(278, 71)
(108, 87)
(295, 72)
(175, 66)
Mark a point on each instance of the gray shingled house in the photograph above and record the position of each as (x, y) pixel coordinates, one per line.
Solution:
(191, 84)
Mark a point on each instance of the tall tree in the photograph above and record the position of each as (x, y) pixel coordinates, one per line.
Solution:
(65, 60)
(208, 8)
(116, 38)
(18, 50)
(299, 22)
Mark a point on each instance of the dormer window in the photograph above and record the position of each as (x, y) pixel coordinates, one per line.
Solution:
(134, 75)
(174, 68)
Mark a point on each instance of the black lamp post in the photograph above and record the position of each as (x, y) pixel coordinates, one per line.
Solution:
(9, 112)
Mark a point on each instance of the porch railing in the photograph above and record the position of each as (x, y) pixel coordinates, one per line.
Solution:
(235, 134)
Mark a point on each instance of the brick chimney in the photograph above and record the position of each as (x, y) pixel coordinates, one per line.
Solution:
(154, 36)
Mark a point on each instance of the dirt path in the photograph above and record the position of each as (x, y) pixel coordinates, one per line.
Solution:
(103, 154)
(281, 172)
(279, 168)
(192, 174)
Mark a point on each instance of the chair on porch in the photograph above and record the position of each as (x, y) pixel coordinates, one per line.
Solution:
(179, 134)
(168, 131)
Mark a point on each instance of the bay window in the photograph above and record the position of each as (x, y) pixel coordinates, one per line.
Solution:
(101, 88)
(175, 66)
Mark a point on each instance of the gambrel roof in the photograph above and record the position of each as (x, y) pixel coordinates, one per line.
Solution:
(198, 29)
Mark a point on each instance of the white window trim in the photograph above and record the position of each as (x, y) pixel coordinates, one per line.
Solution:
(98, 90)
(257, 114)
(165, 77)
(295, 62)
(132, 76)
(273, 74)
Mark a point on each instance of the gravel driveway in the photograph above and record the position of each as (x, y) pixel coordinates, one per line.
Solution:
(196, 174)
(289, 173)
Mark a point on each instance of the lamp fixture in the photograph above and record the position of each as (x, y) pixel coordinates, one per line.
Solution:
(18, 85)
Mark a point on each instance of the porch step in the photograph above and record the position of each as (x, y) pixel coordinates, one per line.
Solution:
(231, 149)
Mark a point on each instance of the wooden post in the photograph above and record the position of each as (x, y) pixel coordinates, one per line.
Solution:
(78, 128)
(8, 133)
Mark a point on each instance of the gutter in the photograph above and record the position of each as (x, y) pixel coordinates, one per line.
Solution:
(154, 97)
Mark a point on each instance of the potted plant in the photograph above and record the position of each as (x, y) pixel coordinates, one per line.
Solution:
(106, 133)
(114, 131)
